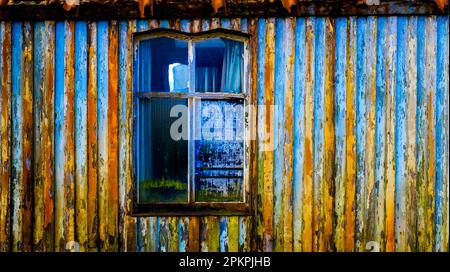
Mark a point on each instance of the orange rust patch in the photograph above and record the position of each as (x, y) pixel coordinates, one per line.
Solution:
(217, 4)
(143, 4)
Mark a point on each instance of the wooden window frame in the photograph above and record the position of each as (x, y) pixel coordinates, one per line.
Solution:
(192, 208)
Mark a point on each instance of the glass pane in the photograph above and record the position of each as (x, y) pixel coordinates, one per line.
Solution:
(219, 65)
(219, 152)
(163, 65)
(162, 150)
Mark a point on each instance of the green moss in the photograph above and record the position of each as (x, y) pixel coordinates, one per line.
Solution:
(210, 196)
(162, 191)
(162, 183)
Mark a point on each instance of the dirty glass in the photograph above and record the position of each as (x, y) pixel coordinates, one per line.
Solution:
(219, 152)
(163, 151)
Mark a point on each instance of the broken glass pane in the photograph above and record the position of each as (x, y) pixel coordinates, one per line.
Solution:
(163, 150)
(163, 65)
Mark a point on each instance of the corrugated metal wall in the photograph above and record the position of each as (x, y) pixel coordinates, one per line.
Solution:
(360, 131)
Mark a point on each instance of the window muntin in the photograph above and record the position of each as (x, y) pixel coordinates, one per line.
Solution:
(217, 176)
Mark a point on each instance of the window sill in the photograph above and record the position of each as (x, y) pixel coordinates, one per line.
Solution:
(196, 209)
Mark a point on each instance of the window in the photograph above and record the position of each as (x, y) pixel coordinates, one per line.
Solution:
(190, 123)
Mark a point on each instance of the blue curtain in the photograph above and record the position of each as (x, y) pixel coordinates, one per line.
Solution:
(233, 69)
(227, 75)
(206, 79)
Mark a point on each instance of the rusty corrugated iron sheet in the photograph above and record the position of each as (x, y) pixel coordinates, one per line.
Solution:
(166, 9)
(360, 134)
(216, 4)
(442, 3)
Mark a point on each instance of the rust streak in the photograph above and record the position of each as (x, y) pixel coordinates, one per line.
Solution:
(113, 133)
(268, 155)
(69, 149)
(350, 139)
(5, 136)
(307, 234)
(27, 152)
(329, 172)
(49, 138)
(92, 138)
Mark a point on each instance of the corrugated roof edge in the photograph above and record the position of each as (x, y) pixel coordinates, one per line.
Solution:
(134, 9)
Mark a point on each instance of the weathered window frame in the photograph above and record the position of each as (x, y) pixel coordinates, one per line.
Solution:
(193, 208)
